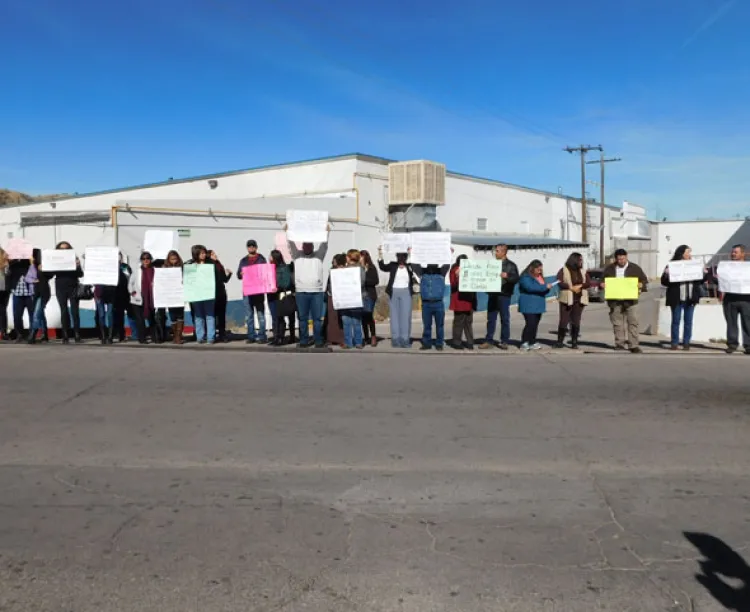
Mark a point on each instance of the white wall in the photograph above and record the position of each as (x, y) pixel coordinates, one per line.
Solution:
(706, 238)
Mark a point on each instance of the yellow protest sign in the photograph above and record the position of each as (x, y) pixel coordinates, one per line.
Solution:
(621, 288)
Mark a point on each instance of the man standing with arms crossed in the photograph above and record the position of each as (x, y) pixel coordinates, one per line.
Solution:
(623, 314)
(499, 303)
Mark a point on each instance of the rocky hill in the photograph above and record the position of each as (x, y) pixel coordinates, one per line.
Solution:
(9, 197)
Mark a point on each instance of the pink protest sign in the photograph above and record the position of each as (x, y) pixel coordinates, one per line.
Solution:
(18, 248)
(282, 245)
(257, 279)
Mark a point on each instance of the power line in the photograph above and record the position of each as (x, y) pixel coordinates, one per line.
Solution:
(583, 149)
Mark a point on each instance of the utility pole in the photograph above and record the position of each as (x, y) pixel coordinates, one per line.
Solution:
(601, 161)
(583, 149)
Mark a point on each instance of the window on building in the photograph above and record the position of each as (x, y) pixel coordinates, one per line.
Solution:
(481, 224)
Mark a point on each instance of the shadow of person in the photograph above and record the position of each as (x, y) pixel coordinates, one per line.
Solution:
(721, 560)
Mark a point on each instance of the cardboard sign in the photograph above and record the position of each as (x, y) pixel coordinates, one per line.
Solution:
(258, 279)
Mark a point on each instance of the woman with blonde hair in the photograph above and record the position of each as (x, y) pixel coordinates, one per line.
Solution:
(4, 294)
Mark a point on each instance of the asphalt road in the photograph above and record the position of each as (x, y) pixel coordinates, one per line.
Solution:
(214, 481)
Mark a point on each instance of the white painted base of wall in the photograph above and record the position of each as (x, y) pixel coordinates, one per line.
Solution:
(708, 323)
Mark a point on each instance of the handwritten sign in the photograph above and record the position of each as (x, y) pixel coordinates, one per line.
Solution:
(101, 266)
(160, 242)
(734, 277)
(685, 271)
(346, 288)
(168, 289)
(18, 248)
(258, 279)
(307, 225)
(480, 275)
(58, 260)
(621, 288)
(199, 282)
(431, 248)
(396, 243)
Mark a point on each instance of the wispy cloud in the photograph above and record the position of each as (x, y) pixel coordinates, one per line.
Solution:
(712, 20)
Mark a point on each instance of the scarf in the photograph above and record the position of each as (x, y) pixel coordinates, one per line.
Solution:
(147, 284)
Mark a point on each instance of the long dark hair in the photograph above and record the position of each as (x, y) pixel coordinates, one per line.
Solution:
(367, 259)
(277, 257)
(679, 252)
(535, 263)
(196, 252)
(36, 254)
(458, 260)
(574, 262)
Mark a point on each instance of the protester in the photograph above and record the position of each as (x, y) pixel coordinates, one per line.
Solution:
(463, 304)
(122, 304)
(223, 274)
(66, 291)
(532, 303)
(23, 294)
(176, 313)
(623, 314)
(4, 294)
(310, 284)
(499, 303)
(282, 303)
(573, 283)
(42, 295)
(204, 316)
(104, 299)
(351, 318)
(737, 305)
(254, 304)
(334, 326)
(372, 280)
(682, 299)
(141, 287)
(399, 289)
(432, 291)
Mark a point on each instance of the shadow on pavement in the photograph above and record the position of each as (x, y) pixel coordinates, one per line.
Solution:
(721, 560)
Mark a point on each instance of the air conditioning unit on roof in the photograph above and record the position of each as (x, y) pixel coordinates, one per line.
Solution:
(416, 182)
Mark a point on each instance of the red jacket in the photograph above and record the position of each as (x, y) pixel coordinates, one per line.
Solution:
(461, 301)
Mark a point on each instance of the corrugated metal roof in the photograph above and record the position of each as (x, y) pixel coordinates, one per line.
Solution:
(513, 241)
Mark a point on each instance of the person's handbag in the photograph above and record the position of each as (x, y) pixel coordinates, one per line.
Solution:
(287, 304)
(84, 292)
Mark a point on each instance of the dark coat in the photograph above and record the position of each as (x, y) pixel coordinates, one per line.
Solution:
(391, 268)
(682, 293)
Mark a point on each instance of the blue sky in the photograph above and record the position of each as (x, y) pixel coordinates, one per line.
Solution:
(99, 95)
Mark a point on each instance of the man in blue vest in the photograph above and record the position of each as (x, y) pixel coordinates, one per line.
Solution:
(432, 292)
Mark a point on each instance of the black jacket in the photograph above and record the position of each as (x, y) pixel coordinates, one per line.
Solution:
(508, 286)
(222, 278)
(372, 280)
(391, 268)
(691, 294)
(66, 282)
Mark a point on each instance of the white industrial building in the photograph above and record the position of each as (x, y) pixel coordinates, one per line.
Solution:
(222, 211)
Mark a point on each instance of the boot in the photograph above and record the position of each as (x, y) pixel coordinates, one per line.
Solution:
(174, 333)
(110, 335)
(102, 334)
(65, 338)
(561, 331)
(575, 331)
(178, 328)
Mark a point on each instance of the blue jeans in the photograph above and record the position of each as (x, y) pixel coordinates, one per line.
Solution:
(105, 311)
(255, 304)
(39, 319)
(311, 306)
(205, 321)
(687, 328)
(433, 310)
(503, 304)
(352, 321)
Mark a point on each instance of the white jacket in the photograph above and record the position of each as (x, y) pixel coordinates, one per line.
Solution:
(134, 287)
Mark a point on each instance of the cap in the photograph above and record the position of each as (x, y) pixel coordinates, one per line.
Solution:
(252, 243)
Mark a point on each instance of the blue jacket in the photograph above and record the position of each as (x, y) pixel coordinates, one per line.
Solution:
(533, 298)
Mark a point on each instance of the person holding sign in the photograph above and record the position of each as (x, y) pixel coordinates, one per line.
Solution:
(141, 287)
(200, 291)
(176, 313)
(532, 303)
(66, 290)
(499, 303)
(372, 280)
(432, 292)
(735, 305)
(254, 304)
(399, 289)
(22, 276)
(351, 318)
(223, 274)
(574, 282)
(42, 295)
(682, 297)
(282, 303)
(463, 304)
(623, 283)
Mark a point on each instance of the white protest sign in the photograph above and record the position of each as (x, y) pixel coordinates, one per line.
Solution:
(160, 242)
(18, 248)
(685, 271)
(346, 288)
(481, 275)
(396, 243)
(307, 225)
(58, 260)
(101, 266)
(734, 277)
(168, 291)
(431, 248)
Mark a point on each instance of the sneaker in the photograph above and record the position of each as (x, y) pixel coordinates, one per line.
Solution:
(439, 347)
(250, 341)
(360, 346)
(535, 347)
(731, 349)
(201, 342)
(636, 350)
(685, 347)
(211, 342)
(457, 347)
(503, 346)
(619, 347)
(346, 348)
(485, 345)
(673, 347)
(525, 346)
(318, 345)
(425, 347)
